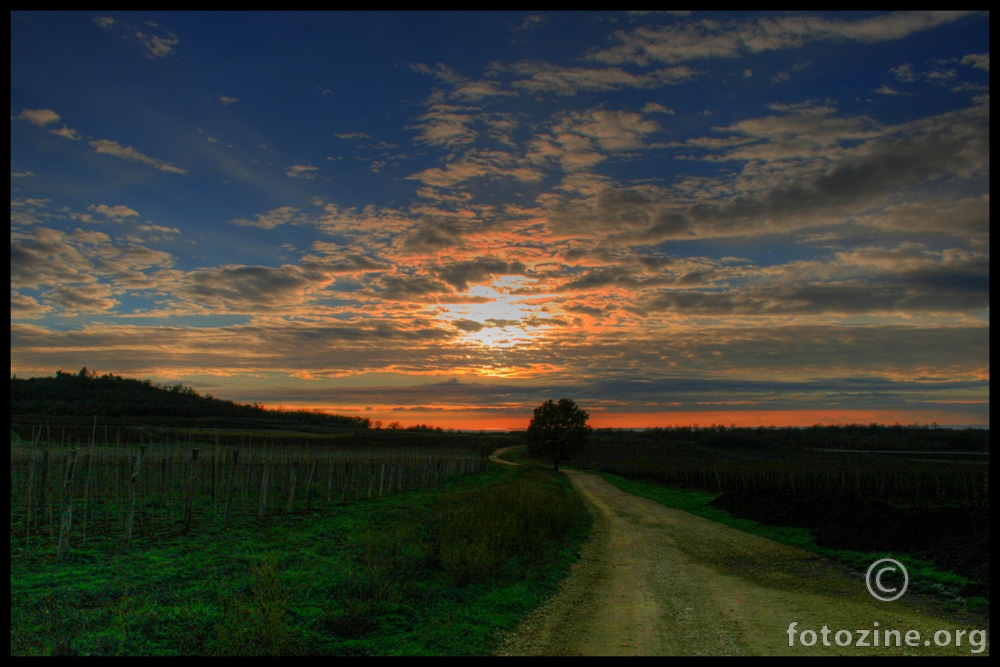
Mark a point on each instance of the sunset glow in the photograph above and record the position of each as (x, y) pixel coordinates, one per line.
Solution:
(448, 218)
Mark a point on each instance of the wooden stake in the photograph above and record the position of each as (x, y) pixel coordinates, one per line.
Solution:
(67, 515)
(133, 488)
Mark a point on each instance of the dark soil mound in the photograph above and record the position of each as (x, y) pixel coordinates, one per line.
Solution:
(953, 538)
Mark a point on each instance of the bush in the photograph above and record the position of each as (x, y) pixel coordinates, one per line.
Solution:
(478, 531)
(255, 624)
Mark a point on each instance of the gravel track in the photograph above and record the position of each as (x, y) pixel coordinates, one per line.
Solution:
(652, 580)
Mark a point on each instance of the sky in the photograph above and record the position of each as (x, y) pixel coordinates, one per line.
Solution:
(670, 218)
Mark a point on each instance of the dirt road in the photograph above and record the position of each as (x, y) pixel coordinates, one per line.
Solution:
(657, 581)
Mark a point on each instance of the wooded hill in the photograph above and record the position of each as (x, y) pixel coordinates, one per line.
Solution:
(85, 394)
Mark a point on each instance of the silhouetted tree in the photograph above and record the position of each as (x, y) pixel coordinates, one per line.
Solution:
(557, 431)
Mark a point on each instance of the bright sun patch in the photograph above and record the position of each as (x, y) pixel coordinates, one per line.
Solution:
(504, 320)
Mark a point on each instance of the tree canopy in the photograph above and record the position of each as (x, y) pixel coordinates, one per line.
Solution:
(557, 430)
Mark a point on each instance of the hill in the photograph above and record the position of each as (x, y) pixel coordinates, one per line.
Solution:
(76, 396)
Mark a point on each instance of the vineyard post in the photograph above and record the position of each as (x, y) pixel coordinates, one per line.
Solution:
(67, 515)
(229, 484)
(329, 482)
(86, 494)
(31, 486)
(312, 471)
(263, 487)
(133, 488)
(41, 487)
(189, 493)
(347, 478)
(291, 493)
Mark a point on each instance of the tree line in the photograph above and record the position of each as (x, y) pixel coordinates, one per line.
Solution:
(85, 394)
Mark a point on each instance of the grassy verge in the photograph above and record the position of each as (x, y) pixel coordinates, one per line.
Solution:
(439, 571)
(924, 577)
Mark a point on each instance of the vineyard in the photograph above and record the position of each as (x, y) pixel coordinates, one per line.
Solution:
(69, 495)
(899, 478)
(918, 491)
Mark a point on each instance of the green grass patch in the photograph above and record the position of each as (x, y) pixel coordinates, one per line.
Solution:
(439, 571)
(924, 577)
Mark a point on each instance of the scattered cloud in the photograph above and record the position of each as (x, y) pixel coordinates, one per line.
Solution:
(978, 61)
(301, 171)
(545, 77)
(282, 215)
(159, 47)
(885, 89)
(531, 22)
(904, 72)
(228, 100)
(115, 213)
(40, 117)
(711, 38)
(67, 133)
(108, 147)
(653, 107)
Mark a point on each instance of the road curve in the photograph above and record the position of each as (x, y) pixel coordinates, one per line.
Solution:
(495, 456)
(653, 580)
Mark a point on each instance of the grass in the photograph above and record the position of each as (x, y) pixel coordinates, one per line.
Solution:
(925, 578)
(438, 571)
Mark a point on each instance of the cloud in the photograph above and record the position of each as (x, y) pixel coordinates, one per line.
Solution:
(904, 72)
(128, 153)
(115, 213)
(939, 75)
(25, 307)
(40, 117)
(228, 100)
(103, 21)
(887, 90)
(159, 47)
(275, 217)
(67, 133)
(712, 38)
(461, 87)
(530, 22)
(470, 326)
(410, 289)
(90, 298)
(353, 135)
(80, 271)
(478, 164)
(612, 130)
(978, 61)
(235, 288)
(444, 125)
(460, 274)
(301, 171)
(653, 107)
(545, 77)
(801, 169)
(432, 234)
